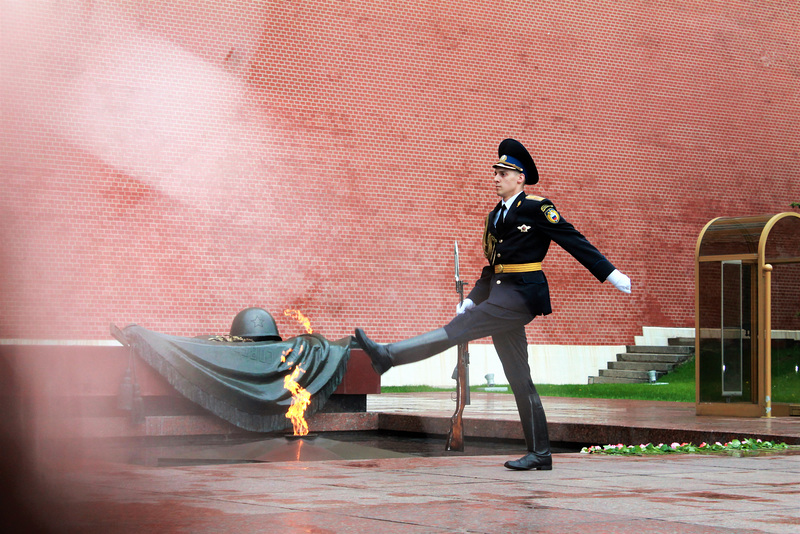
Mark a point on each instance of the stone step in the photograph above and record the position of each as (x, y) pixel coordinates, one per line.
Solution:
(655, 349)
(634, 365)
(642, 376)
(612, 380)
(641, 366)
(650, 357)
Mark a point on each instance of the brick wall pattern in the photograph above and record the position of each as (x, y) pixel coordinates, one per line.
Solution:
(170, 163)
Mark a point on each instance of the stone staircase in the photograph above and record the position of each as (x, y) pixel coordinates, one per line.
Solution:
(636, 363)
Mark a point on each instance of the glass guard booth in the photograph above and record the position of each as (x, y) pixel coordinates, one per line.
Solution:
(747, 316)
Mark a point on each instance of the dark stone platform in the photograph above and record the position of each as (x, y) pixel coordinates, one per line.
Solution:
(575, 420)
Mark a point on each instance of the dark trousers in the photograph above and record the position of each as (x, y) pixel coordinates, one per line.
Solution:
(507, 329)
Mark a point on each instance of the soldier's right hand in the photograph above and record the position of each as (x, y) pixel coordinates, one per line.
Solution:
(464, 306)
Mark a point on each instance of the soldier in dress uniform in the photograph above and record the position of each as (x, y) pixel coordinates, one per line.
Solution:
(510, 292)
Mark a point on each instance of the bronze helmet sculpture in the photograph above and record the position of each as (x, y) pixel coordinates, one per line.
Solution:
(256, 324)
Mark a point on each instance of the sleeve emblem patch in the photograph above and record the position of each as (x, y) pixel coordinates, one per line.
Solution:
(552, 215)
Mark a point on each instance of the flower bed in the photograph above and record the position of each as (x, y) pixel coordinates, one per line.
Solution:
(735, 446)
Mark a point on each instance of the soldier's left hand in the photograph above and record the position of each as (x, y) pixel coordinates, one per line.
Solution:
(620, 281)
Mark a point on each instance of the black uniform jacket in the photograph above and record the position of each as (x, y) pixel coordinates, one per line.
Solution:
(530, 225)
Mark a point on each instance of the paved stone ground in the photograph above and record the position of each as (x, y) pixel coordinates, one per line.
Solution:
(322, 486)
(583, 493)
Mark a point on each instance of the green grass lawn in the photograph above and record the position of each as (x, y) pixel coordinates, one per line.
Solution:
(786, 374)
(675, 386)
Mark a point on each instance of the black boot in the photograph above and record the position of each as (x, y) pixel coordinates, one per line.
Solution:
(534, 426)
(402, 352)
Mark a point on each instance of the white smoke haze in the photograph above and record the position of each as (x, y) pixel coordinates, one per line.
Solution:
(91, 77)
(134, 100)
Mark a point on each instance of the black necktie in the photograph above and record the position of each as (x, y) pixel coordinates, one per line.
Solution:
(500, 219)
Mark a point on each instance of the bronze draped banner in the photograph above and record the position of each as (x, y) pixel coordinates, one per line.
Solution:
(243, 382)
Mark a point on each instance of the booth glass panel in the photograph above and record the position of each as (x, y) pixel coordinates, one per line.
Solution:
(725, 355)
(731, 327)
(785, 346)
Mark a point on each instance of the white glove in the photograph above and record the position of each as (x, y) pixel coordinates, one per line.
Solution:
(464, 306)
(620, 281)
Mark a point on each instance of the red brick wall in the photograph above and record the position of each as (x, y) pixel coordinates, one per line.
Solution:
(169, 163)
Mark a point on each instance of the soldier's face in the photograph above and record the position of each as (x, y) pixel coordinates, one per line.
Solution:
(508, 182)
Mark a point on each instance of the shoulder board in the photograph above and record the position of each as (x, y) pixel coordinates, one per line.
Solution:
(534, 197)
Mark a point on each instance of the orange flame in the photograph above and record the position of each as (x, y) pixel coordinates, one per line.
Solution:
(300, 401)
(302, 319)
(300, 397)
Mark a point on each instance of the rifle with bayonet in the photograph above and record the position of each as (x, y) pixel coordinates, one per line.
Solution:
(455, 437)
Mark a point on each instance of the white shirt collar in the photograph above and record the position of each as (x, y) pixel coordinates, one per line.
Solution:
(510, 201)
(507, 204)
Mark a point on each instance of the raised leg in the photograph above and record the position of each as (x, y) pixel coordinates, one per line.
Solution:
(414, 349)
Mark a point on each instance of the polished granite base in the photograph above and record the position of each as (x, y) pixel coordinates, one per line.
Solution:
(490, 415)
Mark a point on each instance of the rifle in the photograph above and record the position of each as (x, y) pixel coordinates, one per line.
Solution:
(455, 437)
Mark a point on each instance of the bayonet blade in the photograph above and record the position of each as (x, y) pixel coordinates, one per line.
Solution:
(458, 277)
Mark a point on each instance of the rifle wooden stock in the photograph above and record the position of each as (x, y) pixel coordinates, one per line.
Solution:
(455, 437)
